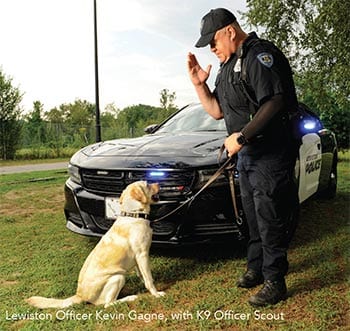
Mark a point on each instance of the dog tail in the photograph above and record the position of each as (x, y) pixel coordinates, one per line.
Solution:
(41, 302)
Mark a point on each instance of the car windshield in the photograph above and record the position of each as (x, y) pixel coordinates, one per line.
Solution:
(190, 119)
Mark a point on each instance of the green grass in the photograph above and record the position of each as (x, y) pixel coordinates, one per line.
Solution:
(43, 152)
(40, 257)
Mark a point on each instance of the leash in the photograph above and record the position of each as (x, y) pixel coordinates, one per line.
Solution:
(239, 219)
(230, 169)
(225, 166)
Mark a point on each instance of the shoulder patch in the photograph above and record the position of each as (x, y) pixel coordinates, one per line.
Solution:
(266, 59)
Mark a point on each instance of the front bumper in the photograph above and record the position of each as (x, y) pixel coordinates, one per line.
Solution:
(209, 218)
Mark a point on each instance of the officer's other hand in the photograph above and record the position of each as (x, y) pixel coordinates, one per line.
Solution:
(231, 144)
(197, 75)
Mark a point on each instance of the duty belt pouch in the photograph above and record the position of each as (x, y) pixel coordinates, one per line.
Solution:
(238, 217)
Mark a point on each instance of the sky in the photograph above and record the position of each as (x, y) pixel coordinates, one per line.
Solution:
(47, 49)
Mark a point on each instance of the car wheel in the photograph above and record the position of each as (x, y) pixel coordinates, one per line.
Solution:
(331, 188)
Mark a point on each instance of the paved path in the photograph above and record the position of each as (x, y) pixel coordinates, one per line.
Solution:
(33, 167)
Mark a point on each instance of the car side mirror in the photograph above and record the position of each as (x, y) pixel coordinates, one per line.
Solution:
(150, 128)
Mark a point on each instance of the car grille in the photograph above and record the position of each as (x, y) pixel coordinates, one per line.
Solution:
(173, 184)
(164, 228)
(102, 222)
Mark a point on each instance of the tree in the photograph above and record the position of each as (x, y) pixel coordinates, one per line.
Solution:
(167, 100)
(80, 113)
(315, 36)
(132, 120)
(54, 115)
(34, 126)
(54, 120)
(78, 117)
(10, 111)
(109, 123)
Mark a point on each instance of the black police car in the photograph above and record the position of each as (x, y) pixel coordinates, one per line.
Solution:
(181, 154)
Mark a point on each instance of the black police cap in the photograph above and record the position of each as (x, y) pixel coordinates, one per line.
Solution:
(215, 20)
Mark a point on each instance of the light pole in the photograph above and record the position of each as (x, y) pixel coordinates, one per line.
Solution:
(97, 97)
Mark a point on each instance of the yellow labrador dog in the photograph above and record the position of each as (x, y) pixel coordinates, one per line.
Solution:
(125, 246)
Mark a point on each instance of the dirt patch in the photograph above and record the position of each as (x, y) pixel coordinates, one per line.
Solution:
(26, 202)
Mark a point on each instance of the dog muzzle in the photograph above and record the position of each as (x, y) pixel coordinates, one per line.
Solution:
(155, 197)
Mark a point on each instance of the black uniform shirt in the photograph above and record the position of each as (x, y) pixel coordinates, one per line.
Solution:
(267, 73)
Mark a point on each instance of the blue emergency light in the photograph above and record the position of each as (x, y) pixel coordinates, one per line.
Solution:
(156, 174)
(309, 125)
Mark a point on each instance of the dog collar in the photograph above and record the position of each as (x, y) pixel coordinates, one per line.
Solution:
(136, 215)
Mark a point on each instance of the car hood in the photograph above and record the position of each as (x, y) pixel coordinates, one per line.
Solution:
(156, 150)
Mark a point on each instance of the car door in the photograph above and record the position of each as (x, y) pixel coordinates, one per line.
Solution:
(310, 160)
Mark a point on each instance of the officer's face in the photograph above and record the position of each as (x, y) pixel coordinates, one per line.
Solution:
(222, 44)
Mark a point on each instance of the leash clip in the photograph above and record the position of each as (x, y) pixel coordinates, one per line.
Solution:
(239, 220)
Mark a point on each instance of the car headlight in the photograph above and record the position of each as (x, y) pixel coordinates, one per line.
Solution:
(74, 173)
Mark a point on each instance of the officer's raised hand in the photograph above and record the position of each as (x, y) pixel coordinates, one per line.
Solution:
(197, 75)
(199, 78)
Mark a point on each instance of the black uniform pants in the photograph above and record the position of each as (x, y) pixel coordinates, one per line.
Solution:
(269, 195)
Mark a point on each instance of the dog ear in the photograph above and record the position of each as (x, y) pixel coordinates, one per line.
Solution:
(138, 194)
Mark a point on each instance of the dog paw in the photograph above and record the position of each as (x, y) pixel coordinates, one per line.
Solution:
(129, 298)
(110, 304)
(159, 294)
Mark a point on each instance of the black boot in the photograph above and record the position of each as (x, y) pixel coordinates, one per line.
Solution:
(251, 278)
(271, 293)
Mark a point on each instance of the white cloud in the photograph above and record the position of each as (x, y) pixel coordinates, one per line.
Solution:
(47, 47)
(44, 48)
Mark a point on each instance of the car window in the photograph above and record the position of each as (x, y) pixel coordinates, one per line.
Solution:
(191, 119)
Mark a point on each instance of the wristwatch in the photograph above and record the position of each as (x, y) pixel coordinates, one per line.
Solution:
(241, 139)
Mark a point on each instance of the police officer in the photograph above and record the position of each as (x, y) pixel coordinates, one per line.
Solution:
(254, 91)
